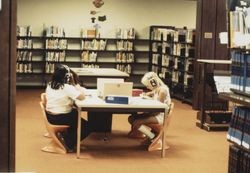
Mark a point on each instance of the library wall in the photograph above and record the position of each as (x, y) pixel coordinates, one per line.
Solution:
(75, 14)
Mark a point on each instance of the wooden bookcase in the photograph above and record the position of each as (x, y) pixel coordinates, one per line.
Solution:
(172, 58)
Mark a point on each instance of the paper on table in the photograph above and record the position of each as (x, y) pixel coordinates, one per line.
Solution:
(136, 100)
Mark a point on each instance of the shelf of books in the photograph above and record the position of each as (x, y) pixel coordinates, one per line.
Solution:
(172, 57)
(239, 132)
(38, 55)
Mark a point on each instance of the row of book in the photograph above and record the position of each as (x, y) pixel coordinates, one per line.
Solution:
(164, 48)
(239, 129)
(165, 34)
(119, 33)
(24, 67)
(186, 65)
(183, 50)
(124, 57)
(24, 56)
(175, 49)
(125, 33)
(184, 35)
(25, 44)
(94, 44)
(57, 31)
(239, 25)
(49, 67)
(240, 71)
(56, 43)
(125, 68)
(55, 56)
(52, 31)
(172, 34)
(24, 31)
(239, 160)
(89, 56)
(175, 76)
(124, 45)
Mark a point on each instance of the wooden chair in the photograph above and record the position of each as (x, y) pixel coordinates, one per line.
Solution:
(160, 129)
(55, 145)
(44, 101)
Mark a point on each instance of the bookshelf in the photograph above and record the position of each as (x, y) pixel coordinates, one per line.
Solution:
(30, 58)
(172, 58)
(38, 55)
(239, 133)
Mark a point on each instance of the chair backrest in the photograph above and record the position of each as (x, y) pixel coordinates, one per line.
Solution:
(43, 99)
(169, 116)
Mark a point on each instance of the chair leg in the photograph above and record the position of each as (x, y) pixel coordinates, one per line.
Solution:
(157, 146)
(52, 147)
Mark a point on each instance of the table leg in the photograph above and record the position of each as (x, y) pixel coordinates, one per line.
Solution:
(78, 147)
(203, 96)
(163, 134)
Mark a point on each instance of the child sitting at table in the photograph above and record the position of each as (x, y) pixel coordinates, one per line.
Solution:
(60, 94)
(158, 91)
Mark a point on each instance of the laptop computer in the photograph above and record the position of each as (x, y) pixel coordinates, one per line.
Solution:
(102, 81)
(118, 89)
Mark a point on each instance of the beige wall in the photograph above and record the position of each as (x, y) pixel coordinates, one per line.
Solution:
(74, 14)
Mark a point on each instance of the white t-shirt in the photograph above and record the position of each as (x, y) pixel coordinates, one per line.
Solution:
(60, 101)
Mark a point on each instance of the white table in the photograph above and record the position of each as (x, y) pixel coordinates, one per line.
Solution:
(88, 76)
(99, 72)
(137, 104)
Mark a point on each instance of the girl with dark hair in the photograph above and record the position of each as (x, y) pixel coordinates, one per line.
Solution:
(61, 93)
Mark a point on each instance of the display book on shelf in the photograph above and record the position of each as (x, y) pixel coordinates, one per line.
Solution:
(239, 130)
(214, 113)
(172, 58)
(37, 55)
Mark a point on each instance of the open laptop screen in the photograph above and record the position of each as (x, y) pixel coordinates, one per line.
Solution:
(101, 81)
(118, 89)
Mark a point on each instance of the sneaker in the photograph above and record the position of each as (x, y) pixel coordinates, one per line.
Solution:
(60, 137)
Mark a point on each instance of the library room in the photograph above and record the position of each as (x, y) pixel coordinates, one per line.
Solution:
(125, 86)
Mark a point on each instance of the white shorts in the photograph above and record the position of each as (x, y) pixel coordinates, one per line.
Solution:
(160, 117)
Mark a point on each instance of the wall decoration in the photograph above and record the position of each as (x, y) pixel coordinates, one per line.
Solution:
(98, 3)
(93, 19)
(102, 18)
(93, 12)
